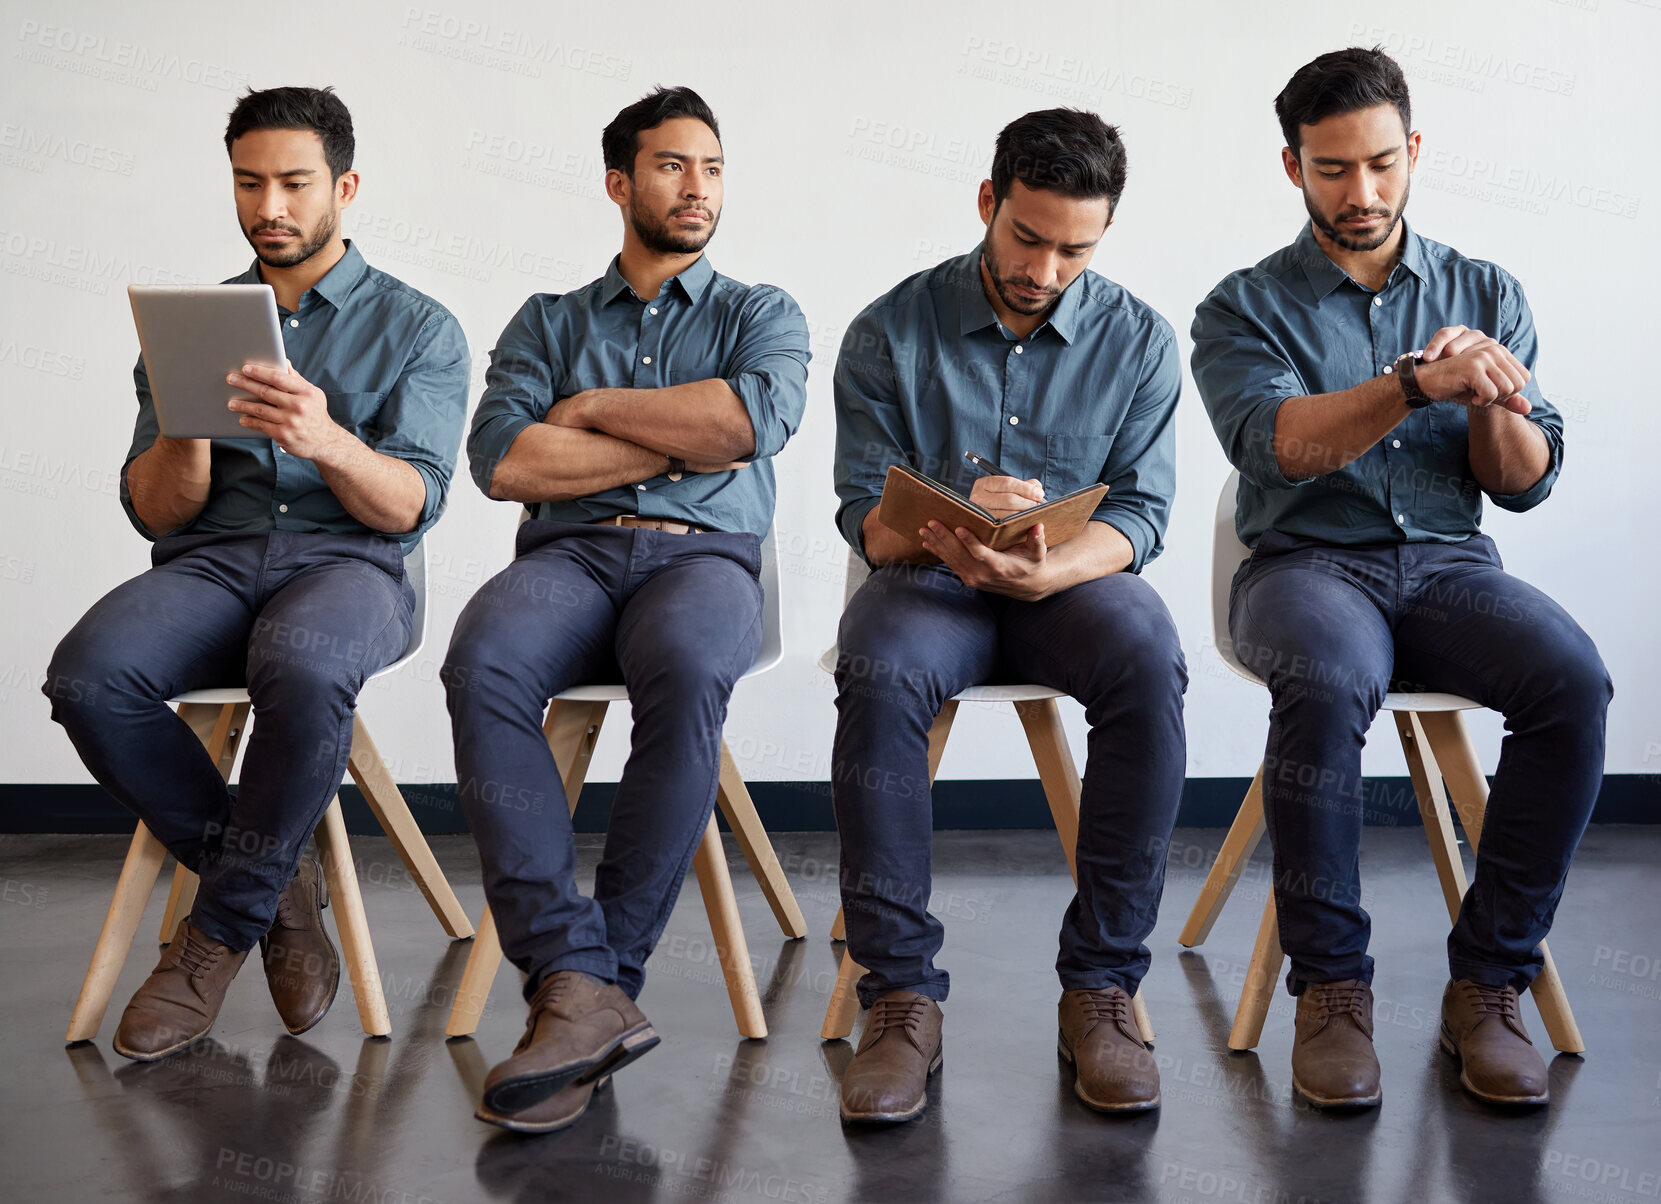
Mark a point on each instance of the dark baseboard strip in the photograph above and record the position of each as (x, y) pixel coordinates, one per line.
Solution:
(1628, 798)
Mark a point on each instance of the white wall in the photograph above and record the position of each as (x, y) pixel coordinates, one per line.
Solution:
(855, 134)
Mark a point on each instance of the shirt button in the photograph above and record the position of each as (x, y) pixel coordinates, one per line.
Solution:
(1014, 421)
(1401, 518)
(1395, 443)
(294, 321)
(1018, 349)
(280, 450)
(1389, 368)
(645, 359)
(642, 488)
(1378, 300)
(282, 509)
(654, 309)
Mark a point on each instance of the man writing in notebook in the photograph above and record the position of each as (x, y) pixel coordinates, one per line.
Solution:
(1016, 352)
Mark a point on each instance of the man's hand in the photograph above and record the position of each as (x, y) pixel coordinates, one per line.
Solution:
(1018, 573)
(1468, 367)
(291, 411)
(568, 411)
(1006, 495)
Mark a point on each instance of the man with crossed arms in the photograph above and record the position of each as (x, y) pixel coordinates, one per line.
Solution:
(636, 417)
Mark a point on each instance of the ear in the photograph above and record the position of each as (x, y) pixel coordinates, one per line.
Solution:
(1294, 171)
(618, 186)
(1412, 151)
(986, 203)
(346, 188)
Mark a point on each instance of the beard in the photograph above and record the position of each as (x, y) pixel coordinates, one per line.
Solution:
(1368, 242)
(307, 246)
(1006, 284)
(664, 239)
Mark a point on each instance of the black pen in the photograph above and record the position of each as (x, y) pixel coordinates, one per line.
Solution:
(989, 467)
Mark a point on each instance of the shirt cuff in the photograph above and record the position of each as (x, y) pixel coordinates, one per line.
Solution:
(485, 453)
(1144, 540)
(852, 520)
(1260, 465)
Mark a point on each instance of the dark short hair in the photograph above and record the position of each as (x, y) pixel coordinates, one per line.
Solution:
(1069, 151)
(316, 109)
(1341, 81)
(620, 141)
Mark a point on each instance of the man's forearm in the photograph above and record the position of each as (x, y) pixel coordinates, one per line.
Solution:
(1321, 433)
(886, 546)
(550, 463)
(168, 482)
(701, 420)
(382, 492)
(1100, 550)
(1508, 453)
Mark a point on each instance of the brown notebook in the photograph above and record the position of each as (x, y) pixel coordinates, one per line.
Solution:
(909, 500)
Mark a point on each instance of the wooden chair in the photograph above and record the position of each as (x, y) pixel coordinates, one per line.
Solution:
(1434, 739)
(220, 718)
(573, 729)
(1036, 707)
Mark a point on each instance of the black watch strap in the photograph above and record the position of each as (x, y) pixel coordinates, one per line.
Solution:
(1406, 370)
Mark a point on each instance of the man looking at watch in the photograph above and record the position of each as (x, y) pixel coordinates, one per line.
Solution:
(636, 418)
(1361, 475)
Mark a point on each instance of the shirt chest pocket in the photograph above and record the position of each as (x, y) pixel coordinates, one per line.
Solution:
(357, 412)
(1074, 461)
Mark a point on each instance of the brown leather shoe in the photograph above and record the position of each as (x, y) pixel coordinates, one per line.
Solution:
(301, 965)
(1483, 1027)
(560, 1110)
(178, 1002)
(1116, 1073)
(899, 1049)
(579, 1030)
(1333, 1063)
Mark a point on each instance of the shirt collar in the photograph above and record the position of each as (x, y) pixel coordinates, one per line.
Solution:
(337, 282)
(1324, 275)
(976, 312)
(693, 281)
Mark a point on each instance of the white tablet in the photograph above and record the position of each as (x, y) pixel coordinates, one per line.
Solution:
(192, 335)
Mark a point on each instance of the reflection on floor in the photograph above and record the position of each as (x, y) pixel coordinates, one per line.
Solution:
(256, 1114)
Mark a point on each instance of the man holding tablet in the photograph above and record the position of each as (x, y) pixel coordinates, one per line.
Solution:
(1018, 354)
(278, 563)
(636, 417)
(1371, 385)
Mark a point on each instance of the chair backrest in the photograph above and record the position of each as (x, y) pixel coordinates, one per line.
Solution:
(858, 571)
(1227, 552)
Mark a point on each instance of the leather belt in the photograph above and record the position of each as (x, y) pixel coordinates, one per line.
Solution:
(650, 524)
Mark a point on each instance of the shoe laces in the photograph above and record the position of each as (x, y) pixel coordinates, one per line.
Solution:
(196, 955)
(549, 994)
(1110, 1006)
(1496, 1001)
(1340, 999)
(909, 1014)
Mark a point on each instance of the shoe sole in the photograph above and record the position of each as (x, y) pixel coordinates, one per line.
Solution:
(1097, 1105)
(1343, 1103)
(527, 1090)
(1513, 1101)
(159, 1054)
(891, 1118)
(506, 1121)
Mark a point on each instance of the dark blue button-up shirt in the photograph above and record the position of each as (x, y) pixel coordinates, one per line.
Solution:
(701, 325)
(393, 363)
(1296, 325)
(928, 372)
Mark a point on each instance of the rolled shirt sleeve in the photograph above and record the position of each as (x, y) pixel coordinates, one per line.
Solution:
(767, 368)
(145, 430)
(871, 430)
(1518, 335)
(519, 391)
(420, 418)
(1243, 376)
(1140, 473)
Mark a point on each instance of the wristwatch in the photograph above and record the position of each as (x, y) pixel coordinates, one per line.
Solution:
(1406, 369)
(677, 468)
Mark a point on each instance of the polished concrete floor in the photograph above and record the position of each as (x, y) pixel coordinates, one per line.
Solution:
(256, 1114)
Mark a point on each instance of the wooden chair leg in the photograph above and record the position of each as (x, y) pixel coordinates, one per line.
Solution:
(132, 892)
(573, 732)
(1426, 776)
(1261, 977)
(387, 802)
(1144, 1022)
(730, 946)
(483, 960)
(740, 810)
(1238, 847)
(1446, 735)
(355, 945)
(220, 727)
(844, 1001)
